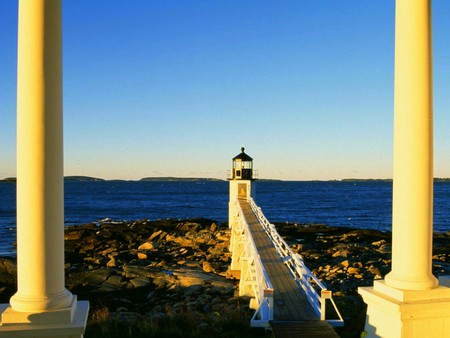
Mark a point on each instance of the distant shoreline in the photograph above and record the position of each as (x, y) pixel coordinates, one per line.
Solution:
(202, 179)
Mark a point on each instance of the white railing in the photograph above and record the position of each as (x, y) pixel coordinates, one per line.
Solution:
(317, 294)
(256, 277)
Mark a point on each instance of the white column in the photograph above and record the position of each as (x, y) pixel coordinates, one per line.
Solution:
(40, 186)
(409, 303)
(412, 228)
(42, 306)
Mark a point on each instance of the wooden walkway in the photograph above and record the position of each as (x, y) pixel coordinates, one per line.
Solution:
(293, 314)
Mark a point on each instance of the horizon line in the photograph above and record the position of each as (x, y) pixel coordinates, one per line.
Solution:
(166, 178)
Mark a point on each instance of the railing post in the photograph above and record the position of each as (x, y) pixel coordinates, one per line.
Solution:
(268, 294)
(324, 295)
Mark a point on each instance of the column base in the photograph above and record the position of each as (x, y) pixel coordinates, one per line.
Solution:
(65, 315)
(407, 313)
(61, 300)
(46, 324)
(408, 283)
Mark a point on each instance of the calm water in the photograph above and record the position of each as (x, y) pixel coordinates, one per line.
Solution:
(356, 204)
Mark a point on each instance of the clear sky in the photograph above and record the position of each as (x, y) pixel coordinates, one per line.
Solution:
(175, 88)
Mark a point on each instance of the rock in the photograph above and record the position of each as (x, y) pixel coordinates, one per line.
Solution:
(345, 263)
(379, 243)
(372, 269)
(384, 249)
(96, 260)
(207, 267)
(73, 235)
(113, 283)
(7, 266)
(87, 247)
(181, 241)
(141, 282)
(8, 279)
(213, 227)
(188, 277)
(154, 235)
(161, 283)
(223, 237)
(192, 264)
(193, 290)
(341, 253)
(142, 255)
(109, 252)
(148, 246)
(91, 277)
(203, 238)
(217, 250)
(352, 271)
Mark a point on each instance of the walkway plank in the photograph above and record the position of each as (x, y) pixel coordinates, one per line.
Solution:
(308, 329)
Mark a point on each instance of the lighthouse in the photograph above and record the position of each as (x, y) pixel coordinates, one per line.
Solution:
(241, 180)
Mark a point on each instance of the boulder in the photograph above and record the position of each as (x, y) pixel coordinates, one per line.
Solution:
(154, 235)
(341, 253)
(142, 255)
(352, 271)
(207, 267)
(8, 267)
(188, 277)
(148, 246)
(141, 282)
(73, 235)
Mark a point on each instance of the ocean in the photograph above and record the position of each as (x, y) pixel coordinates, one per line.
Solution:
(359, 204)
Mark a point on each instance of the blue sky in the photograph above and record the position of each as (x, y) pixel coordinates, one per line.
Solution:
(175, 88)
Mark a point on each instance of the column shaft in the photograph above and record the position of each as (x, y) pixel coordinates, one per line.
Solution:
(413, 149)
(40, 185)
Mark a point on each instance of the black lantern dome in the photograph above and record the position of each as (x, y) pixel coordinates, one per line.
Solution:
(242, 167)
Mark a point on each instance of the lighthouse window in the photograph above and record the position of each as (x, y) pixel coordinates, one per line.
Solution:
(238, 173)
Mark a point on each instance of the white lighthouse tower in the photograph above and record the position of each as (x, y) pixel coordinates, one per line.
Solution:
(241, 182)
(241, 179)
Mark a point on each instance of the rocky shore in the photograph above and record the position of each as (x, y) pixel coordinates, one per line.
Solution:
(152, 270)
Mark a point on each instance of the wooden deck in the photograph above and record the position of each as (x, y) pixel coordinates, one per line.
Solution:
(307, 329)
(292, 310)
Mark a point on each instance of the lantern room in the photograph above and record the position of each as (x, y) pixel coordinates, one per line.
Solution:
(242, 167)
